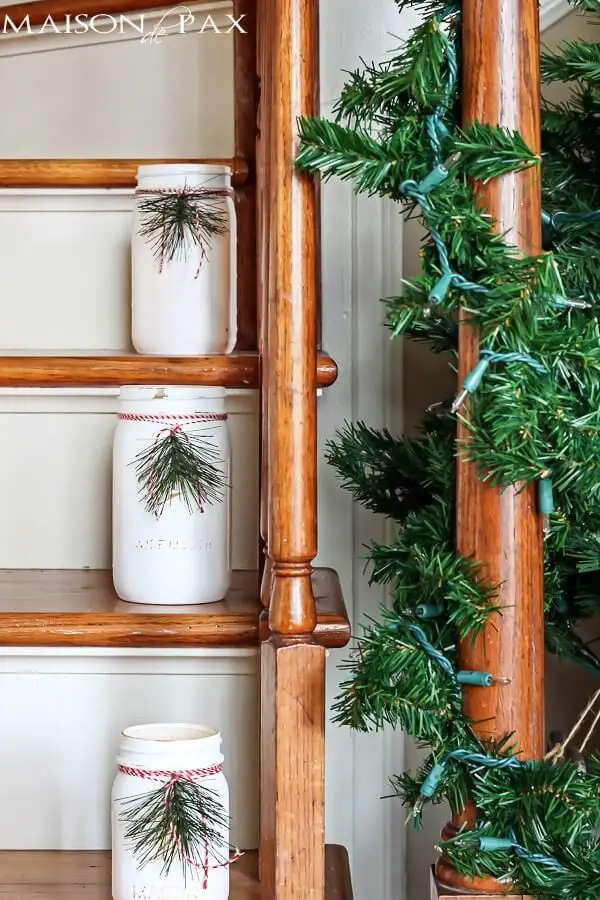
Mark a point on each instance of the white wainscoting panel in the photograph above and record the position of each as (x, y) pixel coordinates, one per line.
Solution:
(362, 262)
(65, 259)
(62, 712)
(55, 478)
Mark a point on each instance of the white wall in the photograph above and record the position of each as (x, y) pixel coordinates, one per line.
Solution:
(64, 258)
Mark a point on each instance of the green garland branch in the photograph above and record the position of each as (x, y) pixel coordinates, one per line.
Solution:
(534, 418)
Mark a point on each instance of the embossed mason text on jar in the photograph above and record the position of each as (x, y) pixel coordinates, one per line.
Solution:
(170, 815)
(184, 261)
(171, 496)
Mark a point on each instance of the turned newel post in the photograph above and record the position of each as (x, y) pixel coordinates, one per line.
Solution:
(292, 664)
(502, 529)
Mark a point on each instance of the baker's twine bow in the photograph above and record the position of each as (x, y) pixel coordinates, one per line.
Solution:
(193, 194)
(173, 430)
(170, 779)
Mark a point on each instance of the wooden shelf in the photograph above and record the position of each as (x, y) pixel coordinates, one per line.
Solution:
(92, 173)
(105, 369)
(79, 608)
(86, 875)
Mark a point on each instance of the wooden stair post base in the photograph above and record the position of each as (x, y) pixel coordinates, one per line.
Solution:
(292, 805)
(439, 892)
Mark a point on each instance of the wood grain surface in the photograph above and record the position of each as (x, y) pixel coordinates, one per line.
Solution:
(246, 126)
(79, 608)
(94, 173)
(292, 820)
(439, 892)
(106, 369)
(86, 875)
(292, 795)
(501, 48)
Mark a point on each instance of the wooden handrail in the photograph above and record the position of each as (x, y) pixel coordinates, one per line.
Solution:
(94, 173)
(58, 10)
(262, 209)
(501, 52)
(246, 102)
(292, 665)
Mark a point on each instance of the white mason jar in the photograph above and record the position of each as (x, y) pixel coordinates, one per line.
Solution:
(186, 306)
(149, 757)
(181, 556)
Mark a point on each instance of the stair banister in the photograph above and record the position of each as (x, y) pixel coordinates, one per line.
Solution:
(292, 664)
(502, 529)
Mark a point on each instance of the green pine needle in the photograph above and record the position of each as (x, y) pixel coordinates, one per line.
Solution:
(175, 223)
(575, 60)
(180, 822)
(333, 149)
(489, 152)
(180, 465)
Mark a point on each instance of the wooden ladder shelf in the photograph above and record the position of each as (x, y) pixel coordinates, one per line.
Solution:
(296, 612)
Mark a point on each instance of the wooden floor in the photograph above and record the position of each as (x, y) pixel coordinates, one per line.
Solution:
(33, 875)
(79, 608)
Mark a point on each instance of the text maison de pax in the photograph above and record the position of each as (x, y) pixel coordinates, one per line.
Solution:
(178, 20)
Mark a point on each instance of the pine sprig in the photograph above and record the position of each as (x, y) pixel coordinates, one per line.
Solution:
(333, 149)
(175, 223)
(575, 60)
(489, 152)
(179, 465)
(180, 822)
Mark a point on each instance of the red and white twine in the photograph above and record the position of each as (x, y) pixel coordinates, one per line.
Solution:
(165, 418)
(192, 193)
(169, 779)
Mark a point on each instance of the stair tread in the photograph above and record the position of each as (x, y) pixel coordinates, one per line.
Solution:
(66, 875)
(79, 608)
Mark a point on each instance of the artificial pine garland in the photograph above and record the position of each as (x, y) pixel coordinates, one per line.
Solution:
(175, 221)
(534, 416)
(182, 465)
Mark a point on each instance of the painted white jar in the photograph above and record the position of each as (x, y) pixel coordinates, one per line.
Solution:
(185, 306)
(150, 756)
(181, 556)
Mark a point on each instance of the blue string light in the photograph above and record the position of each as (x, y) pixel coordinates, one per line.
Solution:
(431, 784)
(486, 843)
(419, 191)
(429, 610)
(474, 378)
(490, 844)
(473, 678)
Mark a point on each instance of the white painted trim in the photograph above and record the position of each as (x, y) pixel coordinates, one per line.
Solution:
(125, 661)
(102, 401)
(66, 200)
(552, 11)
(362, 260)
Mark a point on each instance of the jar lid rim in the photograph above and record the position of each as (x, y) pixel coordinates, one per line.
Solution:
(170, 392)
(184, 169)
(163, 733)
